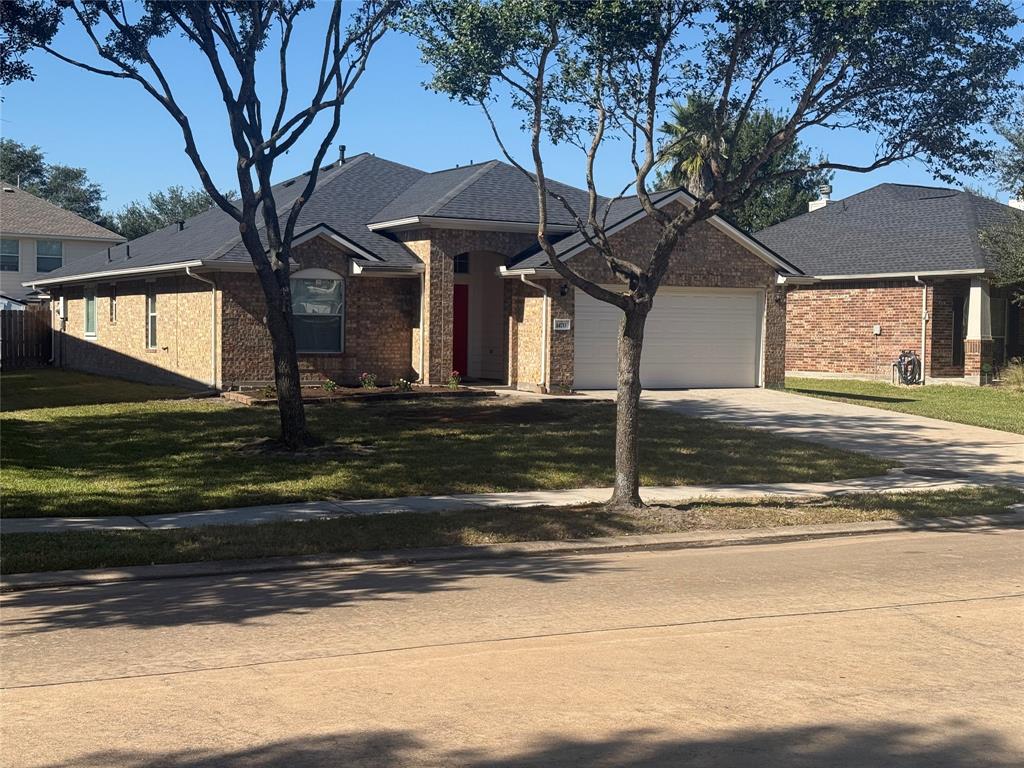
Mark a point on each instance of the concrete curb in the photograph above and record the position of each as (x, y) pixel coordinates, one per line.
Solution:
(650, 542)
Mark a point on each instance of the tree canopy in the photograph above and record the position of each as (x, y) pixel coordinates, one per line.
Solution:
(685, 158)
(63, 185)
(176, 203)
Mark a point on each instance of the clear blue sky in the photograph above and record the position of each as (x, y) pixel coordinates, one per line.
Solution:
(131, 146)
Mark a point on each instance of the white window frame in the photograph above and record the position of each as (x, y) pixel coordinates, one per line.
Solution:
(89, 294)
(113, 304)
(324, 274)
(152, 318)
(16, 254)
(48, 256)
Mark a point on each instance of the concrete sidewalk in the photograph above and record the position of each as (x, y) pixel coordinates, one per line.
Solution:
(894, 482)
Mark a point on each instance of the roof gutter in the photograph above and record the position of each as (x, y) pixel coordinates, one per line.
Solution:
(894, 275)
(447, 222)
(107, 273)
(514, 273)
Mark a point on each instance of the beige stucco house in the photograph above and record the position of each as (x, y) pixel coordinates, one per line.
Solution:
(38, 237)
(410, 274)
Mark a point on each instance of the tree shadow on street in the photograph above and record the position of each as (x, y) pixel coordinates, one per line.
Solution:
(953, 744)
(248, 598)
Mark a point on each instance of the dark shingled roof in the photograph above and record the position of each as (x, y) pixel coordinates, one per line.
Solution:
(491, 191)
(22, 213)
(889, 229)
(346, 196)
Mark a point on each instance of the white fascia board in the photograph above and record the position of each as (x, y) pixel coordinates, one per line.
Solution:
(795, 280)
(357, 270)
(895, 275)
(514, 273)
(484, 225)
(106, 274)
(327, 233)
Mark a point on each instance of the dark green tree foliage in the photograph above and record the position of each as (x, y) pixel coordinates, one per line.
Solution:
(922, 77)
(685, 164)
(62, 185)
(1006, 243)
(140, 217)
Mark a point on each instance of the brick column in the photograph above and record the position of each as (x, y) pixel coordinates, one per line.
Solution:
(978, 347)
(438, 295)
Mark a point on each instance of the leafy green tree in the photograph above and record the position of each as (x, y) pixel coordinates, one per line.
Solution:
(686, 155)
(140, 217)
(62, 185)
(123, 41)
(1006, 242)
(585, 72)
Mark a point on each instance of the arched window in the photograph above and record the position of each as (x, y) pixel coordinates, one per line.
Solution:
(318, 307)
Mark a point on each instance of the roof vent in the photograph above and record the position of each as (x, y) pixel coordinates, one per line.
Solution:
(825, 192)
(8, 189)
(288, 183)
(181, 225)
(341, 154)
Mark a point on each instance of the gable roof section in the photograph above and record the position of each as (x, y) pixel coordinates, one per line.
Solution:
(493, 192)
(625, 211)
(22, 213)
(890, 229)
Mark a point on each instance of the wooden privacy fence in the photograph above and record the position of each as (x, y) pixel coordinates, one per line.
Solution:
(24, 337)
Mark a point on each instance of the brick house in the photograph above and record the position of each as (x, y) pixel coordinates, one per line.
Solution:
(897, 267)
(404, 273)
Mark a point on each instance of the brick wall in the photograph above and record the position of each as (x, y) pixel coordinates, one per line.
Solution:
(436, 248)
(380, 315)
(182, 355)
(829, 327)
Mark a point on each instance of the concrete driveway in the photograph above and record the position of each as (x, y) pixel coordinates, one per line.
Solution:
(914, 441)
(893, 651)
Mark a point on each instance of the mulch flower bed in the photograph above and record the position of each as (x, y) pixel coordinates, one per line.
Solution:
(321, 395)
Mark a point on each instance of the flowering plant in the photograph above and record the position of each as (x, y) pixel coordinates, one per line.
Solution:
(330, 385)
(454, 379)
(368, 380)
(403, 385)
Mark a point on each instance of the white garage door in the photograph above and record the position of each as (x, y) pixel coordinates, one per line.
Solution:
(694, 338)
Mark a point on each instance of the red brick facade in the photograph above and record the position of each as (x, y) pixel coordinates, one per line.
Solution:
(830, 328)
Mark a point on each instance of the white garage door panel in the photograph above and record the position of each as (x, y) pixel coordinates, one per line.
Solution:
(693, 339)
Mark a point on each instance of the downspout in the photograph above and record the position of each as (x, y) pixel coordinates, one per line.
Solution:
(544, 332)
(924, 325)
(213, 323)
(423, 335)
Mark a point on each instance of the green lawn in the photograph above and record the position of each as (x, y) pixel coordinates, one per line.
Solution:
(181, 455)
(993, 407)
(29, 552)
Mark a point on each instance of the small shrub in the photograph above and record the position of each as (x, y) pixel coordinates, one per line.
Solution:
(403, 385)
(268, 392)
(1012, 374)
(368, 380)
(330, 385)
(454, 379)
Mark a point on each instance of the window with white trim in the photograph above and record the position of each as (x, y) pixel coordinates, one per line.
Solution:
(49, 255)
(89, 294)
(151, 317)
(460, 264)
(9, 255)
(318, 311)
(113, 303)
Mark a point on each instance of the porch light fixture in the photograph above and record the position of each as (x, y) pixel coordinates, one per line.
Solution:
(563, 290)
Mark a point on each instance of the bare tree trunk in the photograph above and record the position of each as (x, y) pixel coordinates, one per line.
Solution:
(626, 494)
(294, 433)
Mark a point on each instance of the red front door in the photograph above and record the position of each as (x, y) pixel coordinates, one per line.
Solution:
(460, 328)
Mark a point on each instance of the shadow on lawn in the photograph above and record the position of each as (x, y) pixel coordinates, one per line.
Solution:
(836, 395)
(951, 744)
(190, 456)
(247, 598)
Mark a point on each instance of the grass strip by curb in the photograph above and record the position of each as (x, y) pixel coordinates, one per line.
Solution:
(35, 552)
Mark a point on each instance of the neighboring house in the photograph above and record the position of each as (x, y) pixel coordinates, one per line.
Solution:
(897, 267)
(404, 273)
(38, 237)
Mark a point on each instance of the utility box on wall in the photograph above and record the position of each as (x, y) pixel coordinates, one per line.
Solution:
(877, 330)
